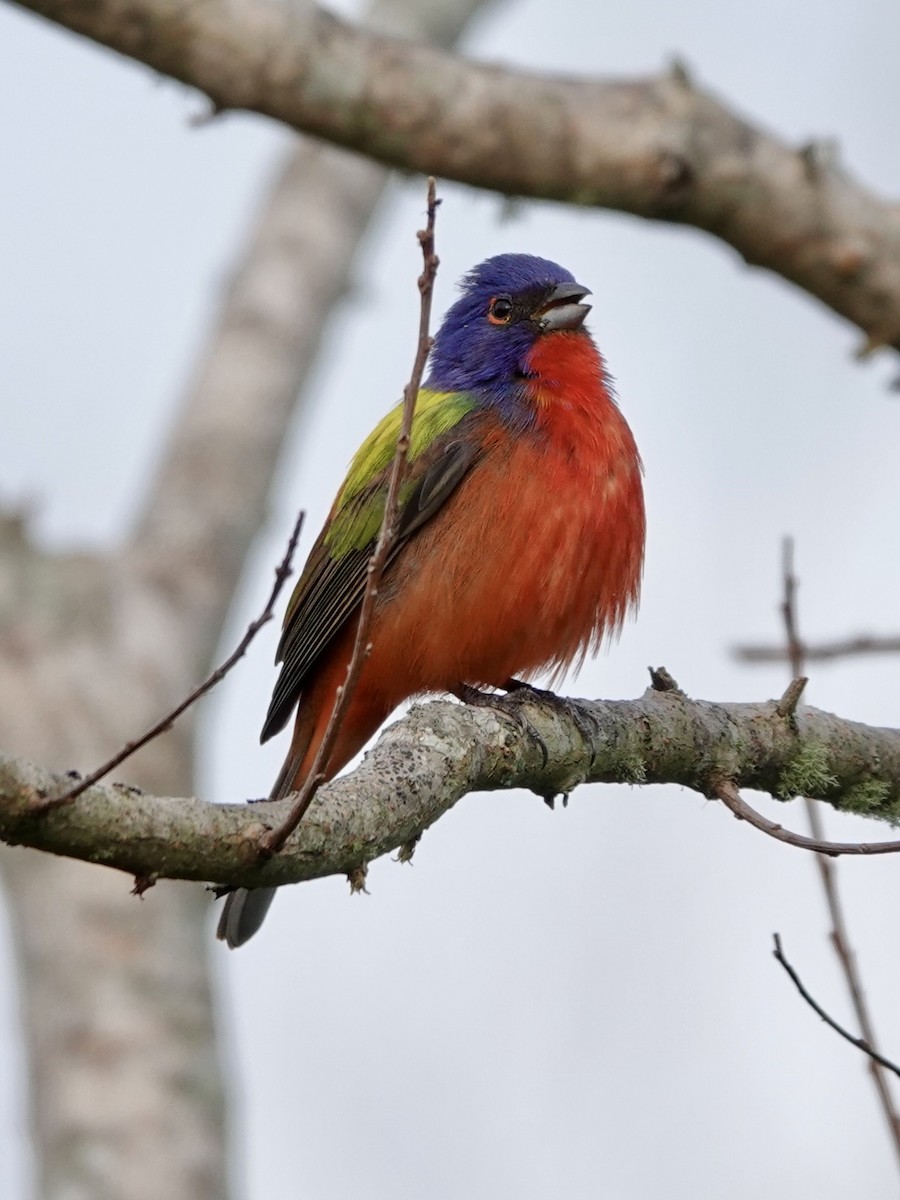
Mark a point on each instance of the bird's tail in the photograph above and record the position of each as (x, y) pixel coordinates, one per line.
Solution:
(246, 908)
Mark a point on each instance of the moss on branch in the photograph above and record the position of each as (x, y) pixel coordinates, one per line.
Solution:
(440, 752)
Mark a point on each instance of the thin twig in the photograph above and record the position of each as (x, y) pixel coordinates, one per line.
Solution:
(853, 647)
(662, 681)
(273, 840)
(878, 1060)
(726, 791)
(282, 574)
(840, 938)
(787, 705)
(794, 648)
(795, 652)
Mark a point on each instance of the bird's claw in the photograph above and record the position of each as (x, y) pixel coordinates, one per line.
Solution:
(586, 724)
(508, 704)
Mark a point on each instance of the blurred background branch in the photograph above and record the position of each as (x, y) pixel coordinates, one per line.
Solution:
(660, 147)
(861, 646)
(839, 934)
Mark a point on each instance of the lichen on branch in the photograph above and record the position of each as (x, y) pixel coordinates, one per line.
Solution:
(439, 753)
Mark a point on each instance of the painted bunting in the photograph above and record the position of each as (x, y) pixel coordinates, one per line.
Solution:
(520, 529)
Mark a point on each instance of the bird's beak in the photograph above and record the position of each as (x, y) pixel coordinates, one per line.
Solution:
(561, 309)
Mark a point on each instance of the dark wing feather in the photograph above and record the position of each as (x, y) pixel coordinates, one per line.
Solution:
(331, 587)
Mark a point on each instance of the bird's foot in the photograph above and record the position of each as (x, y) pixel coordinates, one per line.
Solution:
(586, 725)
(507, 704)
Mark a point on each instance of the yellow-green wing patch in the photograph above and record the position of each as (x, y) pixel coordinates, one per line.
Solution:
(329, 591)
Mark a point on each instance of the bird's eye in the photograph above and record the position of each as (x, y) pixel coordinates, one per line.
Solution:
(500, 310)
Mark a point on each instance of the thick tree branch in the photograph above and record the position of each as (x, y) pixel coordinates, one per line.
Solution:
(440, 752)
(659, 148)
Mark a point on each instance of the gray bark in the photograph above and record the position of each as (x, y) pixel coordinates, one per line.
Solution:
(659, 147)
(426, 763)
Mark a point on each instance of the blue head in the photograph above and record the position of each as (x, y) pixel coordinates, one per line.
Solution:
(507, 303)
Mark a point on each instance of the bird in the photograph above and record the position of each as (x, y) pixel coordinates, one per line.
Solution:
(519, 535)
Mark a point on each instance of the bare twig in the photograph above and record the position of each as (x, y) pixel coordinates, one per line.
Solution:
(854, 647)
(282, 574)
(273, 840)
(662, 681)
(796, 652)
(878, 1060)
(794, 647)
(726, 791)
(787, 705)
(840, 938)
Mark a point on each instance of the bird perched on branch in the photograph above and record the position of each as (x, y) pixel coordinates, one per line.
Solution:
(520, 532)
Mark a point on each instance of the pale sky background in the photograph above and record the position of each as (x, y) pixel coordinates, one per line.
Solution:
(571, 1004)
